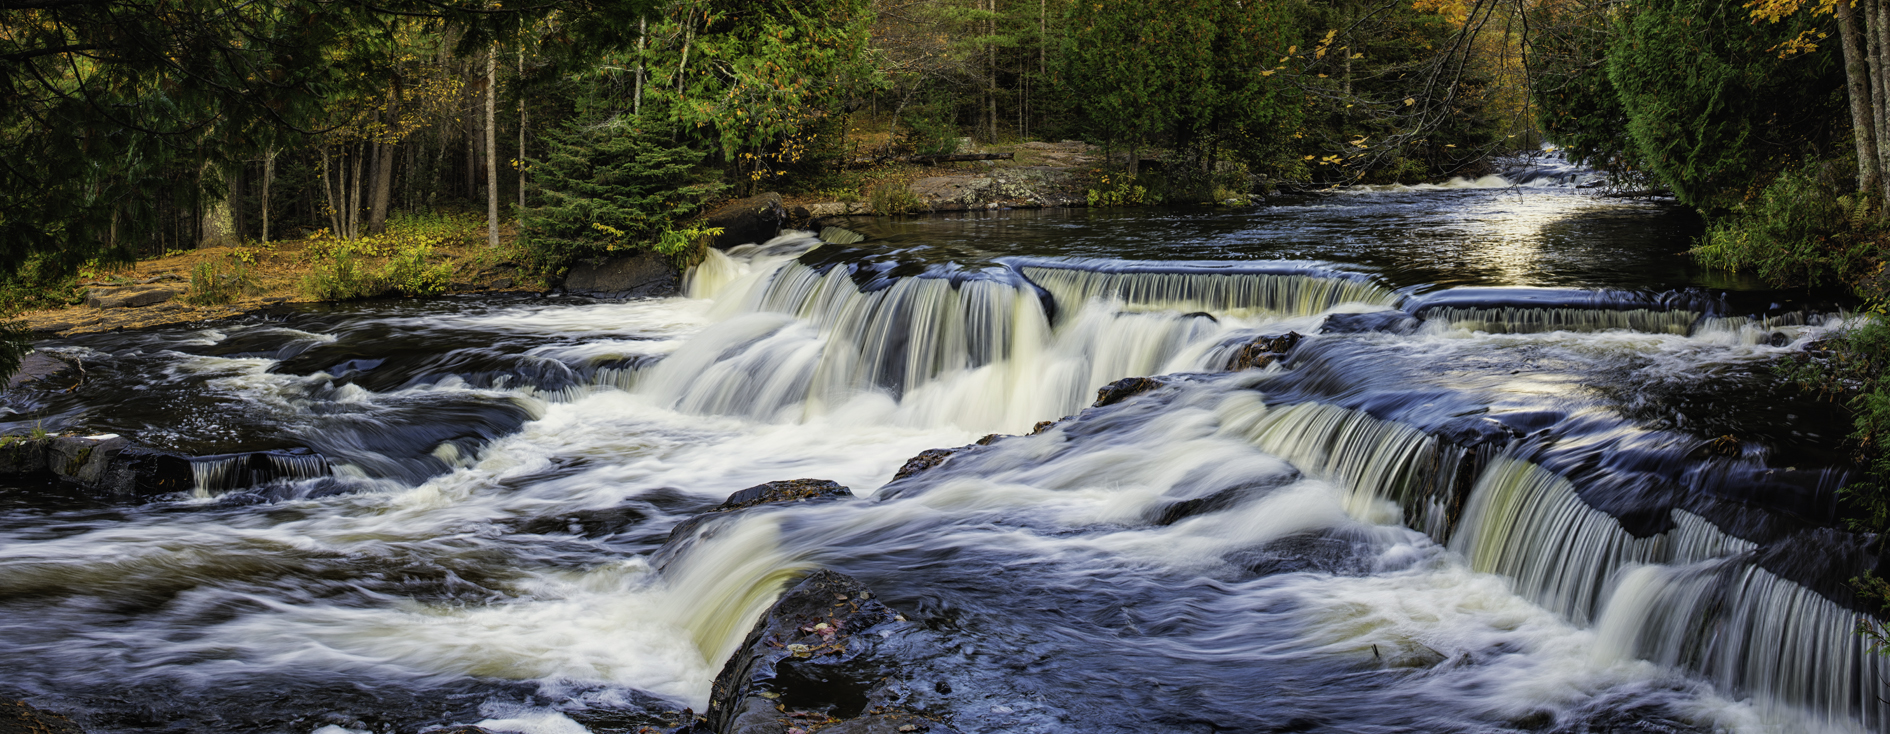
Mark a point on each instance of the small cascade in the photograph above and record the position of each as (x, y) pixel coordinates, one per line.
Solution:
(1526, 522)
(213, 475)
(720, 588)
(1542, 310)
(1752, 632)
(1509, 320)
(1222, 289)
(1376, 460)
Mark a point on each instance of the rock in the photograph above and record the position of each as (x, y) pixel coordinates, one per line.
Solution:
(115, 469)
(749, 221)
(827, 209)
(1123, 389)
(35, 366)
(19, 717)
(791, 490)
(641, 275)
(926, 459)
(817, 656)
(502, 283)
(129, 296)
(1390, 322)
(1263, 351)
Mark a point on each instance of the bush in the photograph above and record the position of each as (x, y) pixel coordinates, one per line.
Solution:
(1119, 189)
(1802, 229)
(894, 198)
(216, 282)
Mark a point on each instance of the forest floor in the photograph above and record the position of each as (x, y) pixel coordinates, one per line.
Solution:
(170, 289)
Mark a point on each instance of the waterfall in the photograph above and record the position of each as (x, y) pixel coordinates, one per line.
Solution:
(1691, 598)
(1752, 632)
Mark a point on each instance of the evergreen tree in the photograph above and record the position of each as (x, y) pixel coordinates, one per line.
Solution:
(611, 183)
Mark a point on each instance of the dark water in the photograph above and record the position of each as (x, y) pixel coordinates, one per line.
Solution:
(1494, 510)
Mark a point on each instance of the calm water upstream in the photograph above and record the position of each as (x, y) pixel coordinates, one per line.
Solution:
(1485, 498)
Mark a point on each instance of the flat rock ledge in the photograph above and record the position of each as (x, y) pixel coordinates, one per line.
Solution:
(19, 717)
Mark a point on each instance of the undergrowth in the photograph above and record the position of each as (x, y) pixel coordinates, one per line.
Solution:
(400, 260)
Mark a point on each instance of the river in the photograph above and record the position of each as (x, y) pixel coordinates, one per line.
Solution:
(1487, 492)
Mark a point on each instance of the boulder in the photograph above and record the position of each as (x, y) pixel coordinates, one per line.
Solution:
(128, 296)
(1123, 389)
(1263, 351)
(35, 366)
(818, 656)
(19, 717)
(749, 221)
(641, 275)
(926, 459)
(112, 468)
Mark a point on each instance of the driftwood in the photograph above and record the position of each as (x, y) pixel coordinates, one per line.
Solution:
(931, 159)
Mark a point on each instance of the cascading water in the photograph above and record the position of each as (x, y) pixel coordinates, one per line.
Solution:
(1480, 505)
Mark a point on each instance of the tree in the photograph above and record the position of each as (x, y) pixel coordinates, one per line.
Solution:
(611, 183)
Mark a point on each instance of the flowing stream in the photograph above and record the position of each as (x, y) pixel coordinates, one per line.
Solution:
(1489, 491)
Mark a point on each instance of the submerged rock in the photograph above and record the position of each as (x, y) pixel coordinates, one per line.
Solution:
(1263, 351)
(1390, 322)
(816, 659)
(19, 717)
(789, 490)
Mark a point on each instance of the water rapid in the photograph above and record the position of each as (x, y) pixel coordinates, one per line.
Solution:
(1536, 495)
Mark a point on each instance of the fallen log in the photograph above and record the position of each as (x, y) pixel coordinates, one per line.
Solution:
(931, 159)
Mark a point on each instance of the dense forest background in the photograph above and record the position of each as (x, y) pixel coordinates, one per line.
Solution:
(133, 128)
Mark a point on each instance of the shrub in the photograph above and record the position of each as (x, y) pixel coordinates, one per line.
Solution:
(894, 198)
(1802, 229)
(409, 273)
(216, 282)
(1119, 189)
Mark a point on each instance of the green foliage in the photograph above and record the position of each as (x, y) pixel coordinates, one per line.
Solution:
(1119, 189)
(410, 272)
(926, 132)
(216, 282)
(894, 198)
(1737, 115)
(340, 276)
(15, 343)
(1803, 229)
(610, 184)
(684, 247)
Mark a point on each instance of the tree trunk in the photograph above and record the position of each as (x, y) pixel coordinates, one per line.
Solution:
(1878, 30)
(328, 192)
(643, 31)
(1874, 60)
(354, 191)
(1857, 85)
(218, 228)
(492, 163)
(520, 90)
(269, 176)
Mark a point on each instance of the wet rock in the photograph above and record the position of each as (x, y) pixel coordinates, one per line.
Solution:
(1123, 389)
(36, 366)
(817, 658)
(790, 490)
(1263, 351)
(641, 275)
(112, 468)
(1390, 322)
(926, 459)
(129, 296)
(753, 220)
(19, 717)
